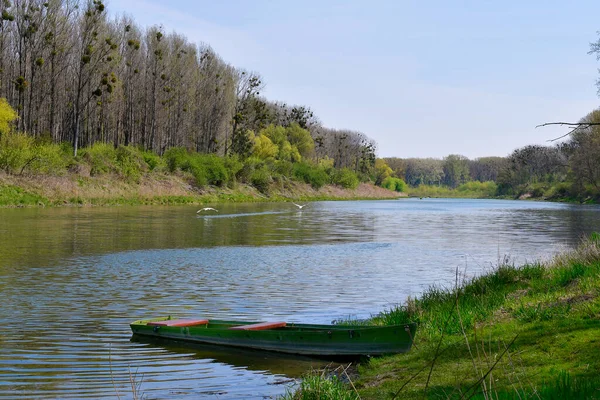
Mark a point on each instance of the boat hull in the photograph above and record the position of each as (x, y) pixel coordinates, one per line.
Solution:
(304, 339)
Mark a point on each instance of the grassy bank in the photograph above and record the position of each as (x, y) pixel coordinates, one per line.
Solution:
(529, 332)
(34, 172)
(160, 189)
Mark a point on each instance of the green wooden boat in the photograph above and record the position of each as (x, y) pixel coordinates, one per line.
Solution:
(292, 338)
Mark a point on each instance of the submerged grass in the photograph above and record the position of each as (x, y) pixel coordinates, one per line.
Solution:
(530, 332)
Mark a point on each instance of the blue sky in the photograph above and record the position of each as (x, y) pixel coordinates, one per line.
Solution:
(422, 78)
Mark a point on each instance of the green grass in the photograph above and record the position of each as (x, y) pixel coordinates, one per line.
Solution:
(15, 196)
(317, 385)
(530, 332)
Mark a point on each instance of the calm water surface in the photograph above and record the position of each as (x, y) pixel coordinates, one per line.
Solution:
(72, 279)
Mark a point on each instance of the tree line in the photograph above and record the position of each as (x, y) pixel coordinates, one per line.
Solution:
(569, 169)
(75, 76)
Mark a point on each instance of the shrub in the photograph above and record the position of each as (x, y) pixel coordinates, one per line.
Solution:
(101, 158)
(395, 184)
(316, 176)
(207, 169)
(7, 115)
(488, 188)
(250, 165)
(260, 179)
(283, 167)
(130, 162)
(214, 168)
(176, 158)
(153, 160)
(345, 178)
(49, 159)
(15, 151)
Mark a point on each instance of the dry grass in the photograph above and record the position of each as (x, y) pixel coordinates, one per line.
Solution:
(82, 189)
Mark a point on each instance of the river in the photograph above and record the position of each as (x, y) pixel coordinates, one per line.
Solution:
(72, 279)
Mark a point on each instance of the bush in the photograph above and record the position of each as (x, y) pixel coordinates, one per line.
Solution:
(316, 176)
(214, 168)
(101, 158)
(130, 162)
(283, 167)
(49, 159)
(153, 160)
(233, 165)
(477, 188)
(395, 184)
(176, 158)
(260, 179)
(345, 178)
(250, 165)
(16, 150)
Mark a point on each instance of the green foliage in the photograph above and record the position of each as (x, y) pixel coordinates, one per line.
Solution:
(478, 189)
(101, 157)
(395, 184)
(207, 169)
(153, 160)
(7, 116)
(49, 159)
(13, 195)
(264, 148)
(130, 162)
(233, 166)
(317, 386)
(316, 176)
(16, 151)
(381, 171)
(300, 139)
(261, 179)
(175, 158)
(472, 189)
(345, 178)
(456, 170)
(283, 168)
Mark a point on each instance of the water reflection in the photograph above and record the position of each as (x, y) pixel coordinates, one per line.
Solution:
(72, 280)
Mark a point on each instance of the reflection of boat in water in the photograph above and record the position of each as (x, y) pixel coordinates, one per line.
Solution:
(302, 339)
(290, 365)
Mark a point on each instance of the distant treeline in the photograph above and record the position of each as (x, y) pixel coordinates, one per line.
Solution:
(570, 169)
(74, 76)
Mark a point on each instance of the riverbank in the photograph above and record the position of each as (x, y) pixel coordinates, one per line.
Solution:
(160, 188)
(517, 333)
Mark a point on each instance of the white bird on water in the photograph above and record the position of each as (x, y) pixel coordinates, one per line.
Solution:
(300, 206)
(207, 209)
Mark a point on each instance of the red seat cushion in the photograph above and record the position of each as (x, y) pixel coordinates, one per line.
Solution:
(261, 326)
(179, 322)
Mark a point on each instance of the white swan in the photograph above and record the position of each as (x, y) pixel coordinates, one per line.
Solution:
(300, 206)
(207, 209)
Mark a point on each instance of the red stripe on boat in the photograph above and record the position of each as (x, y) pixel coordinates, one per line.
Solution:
(179, 322)
(261, 326)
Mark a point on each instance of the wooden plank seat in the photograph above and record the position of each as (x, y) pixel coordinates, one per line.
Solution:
(179, 322)
(261, 326)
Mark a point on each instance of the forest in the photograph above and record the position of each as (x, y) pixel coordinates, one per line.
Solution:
(74, 78)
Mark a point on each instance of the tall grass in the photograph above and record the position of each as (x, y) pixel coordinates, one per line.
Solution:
(323, 385)
(528, 332)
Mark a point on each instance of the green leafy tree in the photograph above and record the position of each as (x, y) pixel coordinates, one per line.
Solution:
(456, 170)
(7, 116)
(584, 150)
(300, 139)
(264, 148)
(382, 171)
